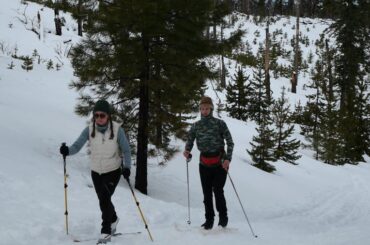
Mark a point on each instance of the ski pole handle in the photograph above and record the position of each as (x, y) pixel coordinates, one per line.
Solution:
(64, 156)
(189, 157)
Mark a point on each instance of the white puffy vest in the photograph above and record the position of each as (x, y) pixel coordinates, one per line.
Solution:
(105, 153)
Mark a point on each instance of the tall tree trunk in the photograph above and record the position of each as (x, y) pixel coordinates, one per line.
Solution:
(223, 68)
(267, 54)
(158, 107)
(296, 51)
(330, 72)
(79, 19)
(245, 6)
(58, 22)
(141, 178)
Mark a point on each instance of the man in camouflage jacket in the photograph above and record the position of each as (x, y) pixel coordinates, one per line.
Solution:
(210, 134)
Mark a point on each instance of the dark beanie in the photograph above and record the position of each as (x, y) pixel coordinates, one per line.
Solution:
(102, 105)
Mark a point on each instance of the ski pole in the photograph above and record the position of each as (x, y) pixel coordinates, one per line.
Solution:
(245, 214)
(187, 177)
(65, 191)
(138, 206)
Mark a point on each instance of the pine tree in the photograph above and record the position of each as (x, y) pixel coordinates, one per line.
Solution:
(82, 11)
(323, 130)
(238, 95)
(297, 115)
(312, 112)
(11, 65)
(148, 55)
(50, 65)
(330, 144)
(35, 53)
(286, 148)
(262, 146)
(259, 101)
(363, 107)
(328, 9)
(351, 32)
(27, 63)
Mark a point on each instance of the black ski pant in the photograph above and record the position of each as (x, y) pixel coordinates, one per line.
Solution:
(105, 184)
(213, 181)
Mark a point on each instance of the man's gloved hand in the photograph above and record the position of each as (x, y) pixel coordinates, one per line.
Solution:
(126, 173)
(64, 150)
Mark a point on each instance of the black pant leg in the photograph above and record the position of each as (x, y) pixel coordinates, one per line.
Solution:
(206, 177)
(218, 188)
(105, 185)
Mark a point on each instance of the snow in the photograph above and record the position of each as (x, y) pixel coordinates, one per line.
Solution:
(311, 203)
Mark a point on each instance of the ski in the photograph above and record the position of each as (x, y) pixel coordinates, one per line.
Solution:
(214, 230)
(114, 235)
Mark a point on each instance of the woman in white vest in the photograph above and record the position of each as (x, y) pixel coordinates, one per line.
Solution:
(107, 142)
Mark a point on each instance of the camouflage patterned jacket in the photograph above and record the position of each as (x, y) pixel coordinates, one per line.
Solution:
(210, 134)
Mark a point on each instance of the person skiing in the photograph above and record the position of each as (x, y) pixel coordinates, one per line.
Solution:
(210, 134)
(107, 141)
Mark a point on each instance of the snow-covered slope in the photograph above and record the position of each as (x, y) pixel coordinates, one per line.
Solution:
(311, 203)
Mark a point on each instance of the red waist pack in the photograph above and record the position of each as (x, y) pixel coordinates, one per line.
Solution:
(211, 159)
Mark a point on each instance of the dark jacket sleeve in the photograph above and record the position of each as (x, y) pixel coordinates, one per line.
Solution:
(229, 141)
(191, 137)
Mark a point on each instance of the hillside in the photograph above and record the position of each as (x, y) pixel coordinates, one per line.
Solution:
(311, 203)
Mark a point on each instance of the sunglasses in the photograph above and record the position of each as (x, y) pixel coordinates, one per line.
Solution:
(100, 115)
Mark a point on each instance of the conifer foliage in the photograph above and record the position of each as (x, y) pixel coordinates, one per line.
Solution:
(351, 30)
(286, 148)
(262, 151)
(238, 96)
(27, 63)
(146, 56)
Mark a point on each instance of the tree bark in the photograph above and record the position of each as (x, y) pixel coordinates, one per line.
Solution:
(58, 23)
(267, 55)
(141, 178)
(296, 56)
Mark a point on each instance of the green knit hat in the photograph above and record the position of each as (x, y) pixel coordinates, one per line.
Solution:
(102, 105)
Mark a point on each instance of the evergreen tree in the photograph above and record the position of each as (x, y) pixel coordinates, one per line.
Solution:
(27, 63)
(11, 65)
(82, 11)
(35, 53)
(323, 130)
(148, 55)
(363, 107)
(330, 144)
(352, 34)
(50, 65)
(279, 7)
(297, 115)
(238, 95)
(262, 151)
(328, 8)
(259, 101)
(285, 147)
(262, 146)
(312, 112)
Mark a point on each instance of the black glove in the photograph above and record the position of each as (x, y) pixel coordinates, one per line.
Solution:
(64, 150)
(126, 172)
(189, 157)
